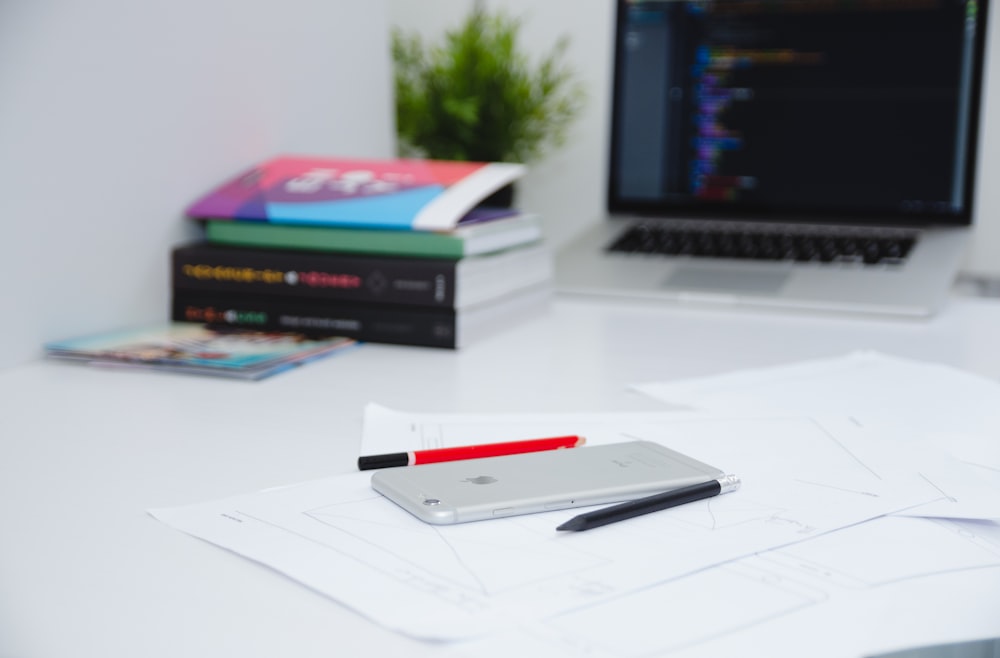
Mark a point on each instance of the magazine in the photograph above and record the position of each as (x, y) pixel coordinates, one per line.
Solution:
(198, 349)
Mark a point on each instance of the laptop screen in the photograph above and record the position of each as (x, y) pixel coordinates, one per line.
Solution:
(835, 110)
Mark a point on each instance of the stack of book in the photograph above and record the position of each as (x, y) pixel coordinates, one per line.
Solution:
(392, 251)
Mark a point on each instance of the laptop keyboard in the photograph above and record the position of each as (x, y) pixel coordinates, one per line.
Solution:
(832, 244)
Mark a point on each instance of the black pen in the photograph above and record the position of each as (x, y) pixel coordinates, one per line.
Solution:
(653, 503)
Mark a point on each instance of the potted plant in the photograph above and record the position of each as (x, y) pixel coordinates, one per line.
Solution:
(478, 97)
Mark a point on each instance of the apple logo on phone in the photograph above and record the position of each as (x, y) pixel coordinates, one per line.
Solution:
(481, 479)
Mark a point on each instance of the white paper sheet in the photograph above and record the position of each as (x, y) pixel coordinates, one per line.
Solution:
(387, 430)
(813, 598)
(948, 406)
(931, 409)
(802, 478)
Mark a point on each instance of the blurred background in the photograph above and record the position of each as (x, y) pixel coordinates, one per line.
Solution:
(115, 115)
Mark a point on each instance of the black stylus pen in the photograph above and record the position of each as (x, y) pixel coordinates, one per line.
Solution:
(653, 503)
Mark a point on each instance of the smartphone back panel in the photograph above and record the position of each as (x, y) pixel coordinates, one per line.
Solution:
(479, 489)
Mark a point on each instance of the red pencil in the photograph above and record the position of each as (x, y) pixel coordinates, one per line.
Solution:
(415, 457)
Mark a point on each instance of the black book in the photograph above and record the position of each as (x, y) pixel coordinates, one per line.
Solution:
(378, 323)
(432, 282)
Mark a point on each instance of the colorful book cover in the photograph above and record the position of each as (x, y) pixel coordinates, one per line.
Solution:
(197, 349)
(419, 195)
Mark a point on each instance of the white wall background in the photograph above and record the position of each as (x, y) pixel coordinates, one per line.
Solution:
(115, 114)
(568, 188)
(984, 256)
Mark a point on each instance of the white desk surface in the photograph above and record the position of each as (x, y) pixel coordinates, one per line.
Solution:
(84, 571)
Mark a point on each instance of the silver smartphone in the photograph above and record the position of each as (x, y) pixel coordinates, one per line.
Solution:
(493, 487)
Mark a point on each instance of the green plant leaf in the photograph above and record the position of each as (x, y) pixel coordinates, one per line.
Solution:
(476, 96)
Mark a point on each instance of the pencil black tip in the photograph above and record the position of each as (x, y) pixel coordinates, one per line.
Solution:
(575, 523)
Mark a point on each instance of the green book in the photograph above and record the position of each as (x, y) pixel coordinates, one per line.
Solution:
(469, 240)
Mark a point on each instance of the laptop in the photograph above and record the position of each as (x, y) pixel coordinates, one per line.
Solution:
(789, 154)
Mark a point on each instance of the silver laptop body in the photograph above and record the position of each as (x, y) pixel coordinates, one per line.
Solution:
(788, 154)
